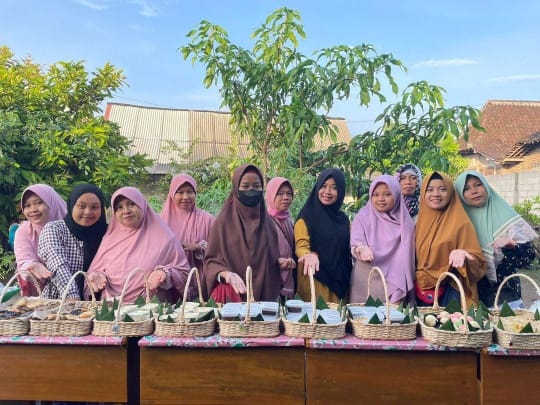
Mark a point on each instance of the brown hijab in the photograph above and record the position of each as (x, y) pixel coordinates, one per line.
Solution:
(438, 232)
(244, 236)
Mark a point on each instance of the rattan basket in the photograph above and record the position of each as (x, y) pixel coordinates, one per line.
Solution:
(313, 330)
(181, 327)
(465, 338)
(386, 330)
(247, 327)
(515, 340)
(59, 327)
(121, 328)
(21, 325)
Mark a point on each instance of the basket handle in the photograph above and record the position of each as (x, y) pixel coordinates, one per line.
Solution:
(249, 292)
(372, 271)
(14, 277)
(461, 296)
(186, 287)
(126, 283)
(496, 302)
(313, 299)
(64, 294)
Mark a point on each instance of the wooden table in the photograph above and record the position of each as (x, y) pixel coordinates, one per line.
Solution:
(352, 370)
(222, 370)
(87, 368)
(509, 376)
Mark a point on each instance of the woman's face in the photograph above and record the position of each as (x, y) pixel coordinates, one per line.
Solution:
(474, 192)
(87, 210)
(382, 198)
(250, 181)
(437, 195)
(185, 197)
(35, 210)
(408, 183)
(284, 198)
(328, 193)
(127, 212)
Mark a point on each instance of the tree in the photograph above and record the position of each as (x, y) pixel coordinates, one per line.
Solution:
(277, 96)
(50, 131)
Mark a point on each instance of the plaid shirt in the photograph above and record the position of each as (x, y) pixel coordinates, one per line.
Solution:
(63, 256)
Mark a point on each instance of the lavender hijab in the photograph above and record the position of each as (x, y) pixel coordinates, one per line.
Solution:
(390, 235)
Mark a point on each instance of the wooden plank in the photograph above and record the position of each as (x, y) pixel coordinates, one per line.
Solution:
(217, 376)
(509, 379)
(354, 376)
(63, 373)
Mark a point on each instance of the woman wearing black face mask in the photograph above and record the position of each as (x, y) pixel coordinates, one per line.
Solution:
(243, 235)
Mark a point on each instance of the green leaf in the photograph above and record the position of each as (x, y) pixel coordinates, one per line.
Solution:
(320, 320)
(500, 325)
(128, 318)
(527, 328)
(482, 306)
(536, 315)
(304, 318)
(400, 307)
(375, 320)
(506, 310)
(140, 301)
(297, 297)
(154, 300)
(448, 325)
(211, 303)
(370, 302)
(406, 320)
(453, 306)
(169, 319)
(321, 303)
(203, 318)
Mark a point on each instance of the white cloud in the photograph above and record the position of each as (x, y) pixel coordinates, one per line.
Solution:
(147, 9)
(515, 78)
(446, 62)
(92, 5)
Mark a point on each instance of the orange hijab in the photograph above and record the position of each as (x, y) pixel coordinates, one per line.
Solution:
(438, 232)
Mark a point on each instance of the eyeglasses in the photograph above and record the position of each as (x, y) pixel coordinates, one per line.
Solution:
(286, 193)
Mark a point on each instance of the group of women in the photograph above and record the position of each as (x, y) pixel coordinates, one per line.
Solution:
(413, 229)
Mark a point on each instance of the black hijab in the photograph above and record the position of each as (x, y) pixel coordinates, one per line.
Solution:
(329, 234)
(90, 235)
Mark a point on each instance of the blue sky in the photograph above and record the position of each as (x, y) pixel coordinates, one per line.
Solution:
(477, 50)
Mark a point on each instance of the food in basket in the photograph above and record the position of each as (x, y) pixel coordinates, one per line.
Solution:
(270, 308)
(295, 306)
(453, 319)
(330, 316)
(73, 311)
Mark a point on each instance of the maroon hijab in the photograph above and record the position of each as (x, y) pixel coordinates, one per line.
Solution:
(244, 236)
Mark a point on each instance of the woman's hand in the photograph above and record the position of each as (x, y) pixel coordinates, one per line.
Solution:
(286, 263)
(363, 253)
(39, 271)
(311, 263)
(500, 243)
(97, 281)
(458, 256)
(156, 278)
(234, 280)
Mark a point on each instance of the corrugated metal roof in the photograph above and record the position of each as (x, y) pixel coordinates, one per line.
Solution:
(150, 129)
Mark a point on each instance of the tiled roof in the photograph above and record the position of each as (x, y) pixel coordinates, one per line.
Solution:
(509, 125)
(150, 128)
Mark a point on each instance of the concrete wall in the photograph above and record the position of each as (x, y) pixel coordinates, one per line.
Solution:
(515, 187)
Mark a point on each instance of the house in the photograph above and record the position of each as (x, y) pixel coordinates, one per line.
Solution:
(511, 142)
(207, 132)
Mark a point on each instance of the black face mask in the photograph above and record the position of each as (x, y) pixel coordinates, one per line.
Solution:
(250, 197)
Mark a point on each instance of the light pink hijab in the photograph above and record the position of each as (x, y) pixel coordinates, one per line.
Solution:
(27, 236)
(151, 245)
(285, 231)
(390, 237)
(188, 226)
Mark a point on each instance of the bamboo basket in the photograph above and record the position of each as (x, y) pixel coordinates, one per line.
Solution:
(465, 338)
(21, 325)
(66, 327)
(183, 328)
(313, 330)
(515, 340)
(247, 327)
(387, 330)
(121, 328)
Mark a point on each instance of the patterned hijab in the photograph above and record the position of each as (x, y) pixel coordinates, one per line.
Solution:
(412, 201)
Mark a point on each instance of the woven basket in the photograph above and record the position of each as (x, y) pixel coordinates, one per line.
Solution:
(465, 338)
(183, 328)
(17, 326)
(247, 327)
(387, 330)
(58, 327)
(515, 340)
(313, 330)
(120, 328)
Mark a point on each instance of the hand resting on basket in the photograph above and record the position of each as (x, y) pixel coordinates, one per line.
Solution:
(311, 263)
(97, 281)
(234, 280)
(156, 278)
(39, 271)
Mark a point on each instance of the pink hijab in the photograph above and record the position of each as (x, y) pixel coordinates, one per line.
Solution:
(188, 226)
(390, 237)
(151, 245)
(285, 231)
(27, 236)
